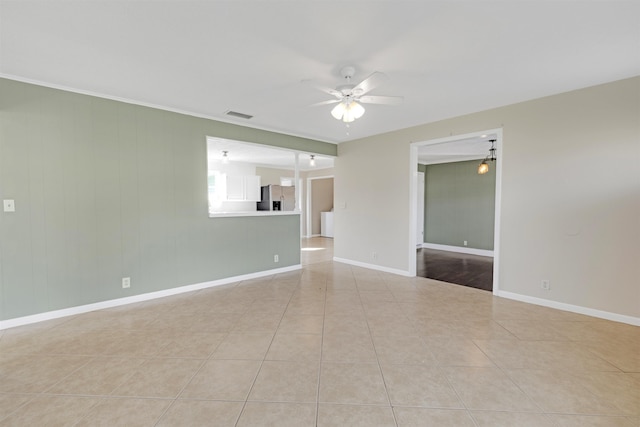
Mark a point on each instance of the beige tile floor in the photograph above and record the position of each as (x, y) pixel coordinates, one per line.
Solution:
(331, 345)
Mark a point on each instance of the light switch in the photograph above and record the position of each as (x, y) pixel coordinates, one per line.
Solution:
(9, 205)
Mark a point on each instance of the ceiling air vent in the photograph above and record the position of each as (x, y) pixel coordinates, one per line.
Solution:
(240, 115)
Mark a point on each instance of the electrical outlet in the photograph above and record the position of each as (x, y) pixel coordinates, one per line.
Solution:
(374, 255)
(465, 243)
(9, 205)
(276, 258)
(126, 282)
(546, 285)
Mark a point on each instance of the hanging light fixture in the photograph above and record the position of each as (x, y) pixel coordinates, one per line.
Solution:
(312, 161)
(225, 157)
(348, 110)
(483, 167)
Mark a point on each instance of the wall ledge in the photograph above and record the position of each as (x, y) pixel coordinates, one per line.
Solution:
(252, 213)
(56, 314)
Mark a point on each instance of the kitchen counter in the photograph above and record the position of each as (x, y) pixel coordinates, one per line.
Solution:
(251, 213)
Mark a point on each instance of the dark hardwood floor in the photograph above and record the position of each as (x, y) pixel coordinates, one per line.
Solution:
(462, 269)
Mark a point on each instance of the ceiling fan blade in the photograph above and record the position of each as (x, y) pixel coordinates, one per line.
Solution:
(331, 101)
(371, 82)
(388, 100)
(324, 89)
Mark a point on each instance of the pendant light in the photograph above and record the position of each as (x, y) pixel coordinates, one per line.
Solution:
(483, 167)
(225, 157)
(312, 161)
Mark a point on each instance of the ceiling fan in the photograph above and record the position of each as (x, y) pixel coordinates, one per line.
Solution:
(349, 96)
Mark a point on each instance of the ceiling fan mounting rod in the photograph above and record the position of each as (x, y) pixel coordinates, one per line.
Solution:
(348, 72)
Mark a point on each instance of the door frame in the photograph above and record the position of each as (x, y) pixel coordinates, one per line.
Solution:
(420, 207)
(413, 203)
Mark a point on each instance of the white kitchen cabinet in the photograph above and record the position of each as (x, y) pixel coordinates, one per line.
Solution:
(243, 188)
(235, 188)
(252, 188)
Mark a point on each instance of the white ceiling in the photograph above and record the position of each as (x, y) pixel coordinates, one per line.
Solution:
(446, 58)
(262, 155)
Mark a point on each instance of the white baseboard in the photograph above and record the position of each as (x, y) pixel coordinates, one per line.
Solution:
(518, 297)
(26, 320)
(373, 266)
(458, 249)
(572, 308)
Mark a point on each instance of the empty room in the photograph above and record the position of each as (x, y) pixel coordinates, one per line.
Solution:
(214, 213)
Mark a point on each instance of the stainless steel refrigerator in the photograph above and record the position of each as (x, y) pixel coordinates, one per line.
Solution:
(277, 198)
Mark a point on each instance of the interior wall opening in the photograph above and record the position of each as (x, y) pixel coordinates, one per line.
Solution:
(230, 161)
(455, 210)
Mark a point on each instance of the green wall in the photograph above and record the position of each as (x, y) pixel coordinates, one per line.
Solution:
(459, 205)
(106, 190)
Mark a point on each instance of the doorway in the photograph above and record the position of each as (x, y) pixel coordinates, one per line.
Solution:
(463, 262)
(319, 205)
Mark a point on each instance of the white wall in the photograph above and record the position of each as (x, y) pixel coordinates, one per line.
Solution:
(371, 192)
(570, 196)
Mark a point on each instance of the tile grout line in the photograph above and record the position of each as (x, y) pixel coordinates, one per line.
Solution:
(197, 371)
(324, 316)
(176, 397)
(495, 363)
(202, 364)
(384, 382)
(439, 369)
(253, 383)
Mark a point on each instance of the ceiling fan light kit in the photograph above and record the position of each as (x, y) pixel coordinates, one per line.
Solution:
(347, 111)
